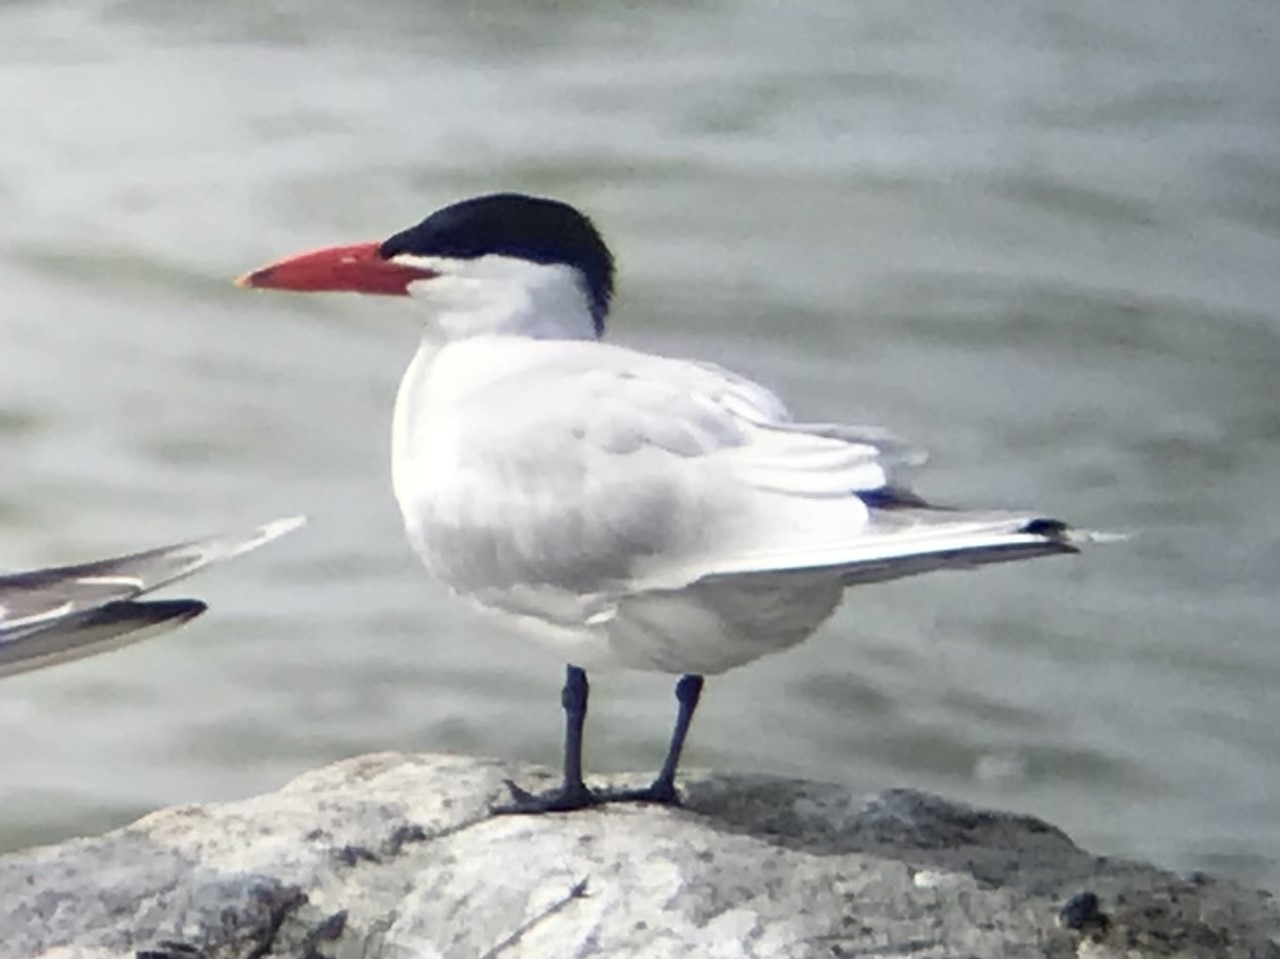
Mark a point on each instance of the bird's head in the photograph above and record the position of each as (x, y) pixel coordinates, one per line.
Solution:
(501, 263)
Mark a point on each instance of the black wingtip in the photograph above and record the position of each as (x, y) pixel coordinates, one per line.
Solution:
(1050, 528)
(135, 615)
(1056, 532)
(108, 627)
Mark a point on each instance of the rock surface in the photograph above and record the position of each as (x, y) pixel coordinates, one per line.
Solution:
(398, 856)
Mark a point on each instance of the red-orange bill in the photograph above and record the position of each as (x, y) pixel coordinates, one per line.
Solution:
(358, 268)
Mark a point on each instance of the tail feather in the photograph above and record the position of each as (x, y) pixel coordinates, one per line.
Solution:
(1050, 542)
(907, 541)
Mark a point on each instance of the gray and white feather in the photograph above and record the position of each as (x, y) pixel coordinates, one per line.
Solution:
(49, 616)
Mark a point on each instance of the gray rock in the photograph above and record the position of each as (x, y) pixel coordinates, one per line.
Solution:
(398, 856)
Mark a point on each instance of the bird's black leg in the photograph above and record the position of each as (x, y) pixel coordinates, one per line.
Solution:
(663, 789)
(573, 699)
(688, 692)
(573, 792)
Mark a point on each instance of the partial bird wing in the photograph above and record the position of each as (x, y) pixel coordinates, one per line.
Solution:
(98, 630)
(588, 472)
(64, 613)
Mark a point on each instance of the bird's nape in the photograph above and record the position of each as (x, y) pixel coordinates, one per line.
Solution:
(536, 229)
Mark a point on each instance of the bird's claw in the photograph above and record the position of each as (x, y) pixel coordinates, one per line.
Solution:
(660, 792)
(570, 797)
(565, 799)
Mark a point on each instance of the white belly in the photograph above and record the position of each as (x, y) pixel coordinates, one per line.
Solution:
(706, 628)
(713, 626)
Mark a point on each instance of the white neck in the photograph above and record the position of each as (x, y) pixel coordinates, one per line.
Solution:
(503, 296)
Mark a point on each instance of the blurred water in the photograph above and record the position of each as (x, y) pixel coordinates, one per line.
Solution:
(1040, 239)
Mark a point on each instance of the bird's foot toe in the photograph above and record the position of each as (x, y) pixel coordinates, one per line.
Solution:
(660, 792)
(565, 799)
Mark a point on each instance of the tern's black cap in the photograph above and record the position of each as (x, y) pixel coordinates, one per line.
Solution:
(516, 225)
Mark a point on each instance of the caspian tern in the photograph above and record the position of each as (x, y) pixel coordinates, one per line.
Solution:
(50, 616)
(630, 509)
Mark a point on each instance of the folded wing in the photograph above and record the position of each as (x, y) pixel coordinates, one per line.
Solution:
(610, 473)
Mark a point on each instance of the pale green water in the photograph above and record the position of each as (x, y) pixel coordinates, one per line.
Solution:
(1041, 240)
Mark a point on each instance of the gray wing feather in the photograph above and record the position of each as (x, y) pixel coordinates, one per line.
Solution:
(67, 612)
(604, 471)
(590, 473)
(94, 631)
